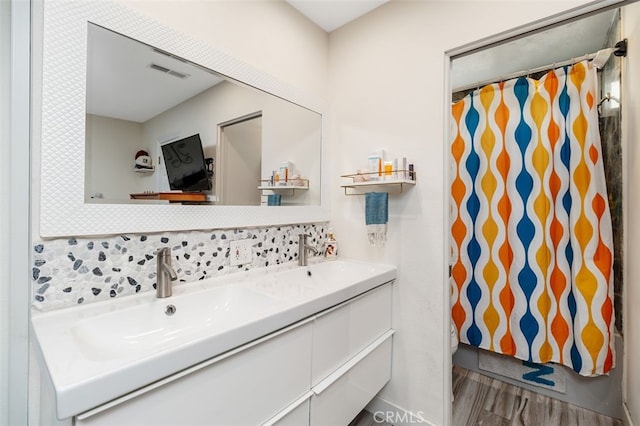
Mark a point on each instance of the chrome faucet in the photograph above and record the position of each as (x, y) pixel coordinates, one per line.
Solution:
(303, 249)
(165, 273)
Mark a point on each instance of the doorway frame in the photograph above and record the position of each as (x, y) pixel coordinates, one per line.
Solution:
(15, 368)
(555, 20)
(221, 152)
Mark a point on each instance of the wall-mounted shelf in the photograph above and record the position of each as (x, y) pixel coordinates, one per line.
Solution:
(300, 185)
(362, 183)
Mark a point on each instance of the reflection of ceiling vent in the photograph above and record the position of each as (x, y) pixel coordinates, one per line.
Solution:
(168, 71)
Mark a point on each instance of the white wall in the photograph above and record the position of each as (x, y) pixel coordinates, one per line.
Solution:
(386, 80)
(5, 224)
(631, 156)
(110, 153)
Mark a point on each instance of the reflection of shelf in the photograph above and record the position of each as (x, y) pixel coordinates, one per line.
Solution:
(393, 186)
(301, 185)
(144, 169)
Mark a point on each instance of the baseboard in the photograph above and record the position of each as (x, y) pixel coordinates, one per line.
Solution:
(385, 411)
(626, 419)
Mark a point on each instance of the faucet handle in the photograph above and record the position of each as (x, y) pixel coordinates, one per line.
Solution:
(303, 238)
(163, 251)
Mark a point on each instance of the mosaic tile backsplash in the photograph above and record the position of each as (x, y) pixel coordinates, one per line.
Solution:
(68, 272)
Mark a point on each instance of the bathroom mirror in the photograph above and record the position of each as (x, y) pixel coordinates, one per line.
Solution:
(140, 97)
(66, 207)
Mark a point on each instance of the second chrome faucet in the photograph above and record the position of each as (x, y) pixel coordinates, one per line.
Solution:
(304, 249)
(165, 273)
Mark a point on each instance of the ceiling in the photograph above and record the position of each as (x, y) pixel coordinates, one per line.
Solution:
(332, 14)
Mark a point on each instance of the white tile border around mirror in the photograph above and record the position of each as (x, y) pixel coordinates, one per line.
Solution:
(62, 148)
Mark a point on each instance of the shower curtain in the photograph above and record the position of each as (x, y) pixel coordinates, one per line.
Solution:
(531, 238)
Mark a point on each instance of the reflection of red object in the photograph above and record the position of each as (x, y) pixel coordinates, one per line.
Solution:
(143, 161)
(141, 152)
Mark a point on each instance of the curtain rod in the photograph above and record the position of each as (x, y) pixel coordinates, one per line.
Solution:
(620, 49)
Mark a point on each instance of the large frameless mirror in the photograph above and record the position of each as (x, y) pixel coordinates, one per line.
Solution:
(144, 103)
(118, 87)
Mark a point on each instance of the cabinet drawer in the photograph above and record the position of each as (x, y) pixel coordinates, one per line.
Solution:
(340, 333)
(339, 401)
(295, 414)
(297, 417)
(246, 388)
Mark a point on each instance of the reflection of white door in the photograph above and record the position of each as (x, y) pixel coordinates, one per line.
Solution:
(162, 180)
(240, 162)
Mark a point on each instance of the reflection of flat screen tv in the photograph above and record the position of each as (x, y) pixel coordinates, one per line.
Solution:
(185, 164)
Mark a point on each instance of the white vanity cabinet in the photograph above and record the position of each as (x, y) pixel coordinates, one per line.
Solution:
(320, 371)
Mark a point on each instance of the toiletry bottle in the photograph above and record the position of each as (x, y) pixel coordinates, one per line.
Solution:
(331, 247)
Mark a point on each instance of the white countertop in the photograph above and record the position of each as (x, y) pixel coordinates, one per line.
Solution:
(85, 374)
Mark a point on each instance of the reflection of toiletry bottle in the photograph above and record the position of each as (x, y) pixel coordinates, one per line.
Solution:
(388, 169)
(331, 247)
(374, 160)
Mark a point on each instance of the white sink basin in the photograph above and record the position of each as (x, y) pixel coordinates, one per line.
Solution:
(98, 352)
(316, 279)
(162, 323)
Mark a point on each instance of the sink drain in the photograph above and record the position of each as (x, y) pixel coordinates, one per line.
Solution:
(170, 310)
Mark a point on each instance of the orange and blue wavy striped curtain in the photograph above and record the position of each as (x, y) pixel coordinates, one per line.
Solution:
(531, 238)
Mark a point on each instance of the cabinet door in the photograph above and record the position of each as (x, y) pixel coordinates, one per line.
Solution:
(340, 333)
(247, 388)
